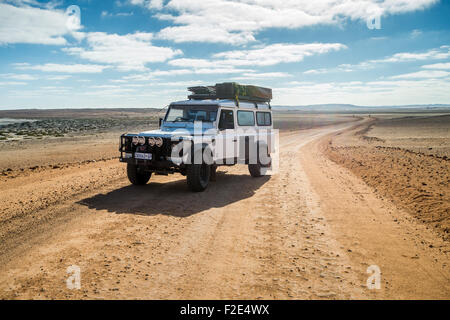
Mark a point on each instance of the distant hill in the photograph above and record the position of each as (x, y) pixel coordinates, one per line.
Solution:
(348, 108)
(79, 113)
(157, 112)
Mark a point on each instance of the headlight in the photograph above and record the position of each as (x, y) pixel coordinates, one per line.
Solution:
(151, 141)
(141, 140)
(135, 140)
(159, 142)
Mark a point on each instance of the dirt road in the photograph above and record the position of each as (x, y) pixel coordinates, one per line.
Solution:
(310, 231)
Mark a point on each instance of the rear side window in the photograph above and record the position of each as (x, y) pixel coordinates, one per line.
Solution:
(264, 118)
(246, 118)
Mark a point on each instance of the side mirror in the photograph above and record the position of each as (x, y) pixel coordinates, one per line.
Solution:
(160, 122)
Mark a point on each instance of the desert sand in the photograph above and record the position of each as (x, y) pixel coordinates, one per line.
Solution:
(338, 205)
(404, 159)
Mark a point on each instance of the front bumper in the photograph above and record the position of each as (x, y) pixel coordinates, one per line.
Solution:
(160, 156)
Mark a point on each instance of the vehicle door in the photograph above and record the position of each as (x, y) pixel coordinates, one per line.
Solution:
(246, 136)
(225, 144)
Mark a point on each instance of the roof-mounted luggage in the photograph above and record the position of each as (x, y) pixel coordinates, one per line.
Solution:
(232, 91)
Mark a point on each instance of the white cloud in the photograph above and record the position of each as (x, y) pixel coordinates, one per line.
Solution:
(372, 93)
(176, 72)
(238, 21)
(439, 66)
(22, 23)
(115, 92)
(234, 62)
(263, 76)
(193, 33)
(433, 54)
(277, 53)
(416, 33)
(105, 86)
(17, 76)
(179, 72)
(126, 52)
(12, 83)
(135, 77)
(63, 68)
(182, 84)
(224, 70)
(260, 56)
(423, 74)
(150, 4)
(106, 14)
(441, 53)
(59, 77)
(316, 71)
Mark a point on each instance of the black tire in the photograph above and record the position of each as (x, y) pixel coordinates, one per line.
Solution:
(258, 170)
(255, 170)
(137, 176)
(198, 176)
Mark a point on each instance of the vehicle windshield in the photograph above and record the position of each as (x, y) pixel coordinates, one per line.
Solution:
(191, 113)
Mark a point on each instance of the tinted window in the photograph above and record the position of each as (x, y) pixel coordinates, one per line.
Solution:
(246, 118)
(264, 118)
(226, 120)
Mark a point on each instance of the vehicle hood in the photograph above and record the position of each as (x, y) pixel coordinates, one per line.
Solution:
(181, 129)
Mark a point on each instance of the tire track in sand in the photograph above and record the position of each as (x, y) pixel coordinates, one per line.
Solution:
(243, 238)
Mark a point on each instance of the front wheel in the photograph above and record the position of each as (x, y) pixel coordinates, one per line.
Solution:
(137, 175)
(198, 176)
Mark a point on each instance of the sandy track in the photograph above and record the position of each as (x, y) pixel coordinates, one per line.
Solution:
(310, 231)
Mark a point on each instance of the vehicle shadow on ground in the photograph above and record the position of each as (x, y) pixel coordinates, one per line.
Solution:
(174, 198)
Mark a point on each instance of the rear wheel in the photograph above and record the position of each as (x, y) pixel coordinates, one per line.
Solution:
(198, 176)
(137, 175)
(258, 170)
(255, 170)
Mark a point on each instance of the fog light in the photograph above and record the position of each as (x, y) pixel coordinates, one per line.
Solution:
(159, 142)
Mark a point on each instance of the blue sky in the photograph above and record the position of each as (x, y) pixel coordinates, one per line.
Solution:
(144, 53)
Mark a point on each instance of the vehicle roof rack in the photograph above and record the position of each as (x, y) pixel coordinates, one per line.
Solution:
(232, 91)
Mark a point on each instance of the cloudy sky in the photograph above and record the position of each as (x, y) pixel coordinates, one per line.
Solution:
(144, 53)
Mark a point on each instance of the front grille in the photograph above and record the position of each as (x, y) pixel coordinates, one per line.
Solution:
(163, 151)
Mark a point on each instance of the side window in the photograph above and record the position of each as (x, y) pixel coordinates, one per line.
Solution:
(246, 118)
(268, 119)
(260, 118)
(264, 118)
(226, 120)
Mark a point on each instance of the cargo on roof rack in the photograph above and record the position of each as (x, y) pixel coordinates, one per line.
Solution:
(232, 91)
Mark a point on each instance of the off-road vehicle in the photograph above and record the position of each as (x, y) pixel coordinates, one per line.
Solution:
(219, 125)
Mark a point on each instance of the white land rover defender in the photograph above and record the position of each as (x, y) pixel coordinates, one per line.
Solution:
(219, 125)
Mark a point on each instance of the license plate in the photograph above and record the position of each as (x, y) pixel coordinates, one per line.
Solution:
(143, 156)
